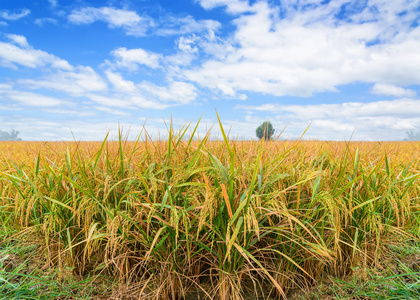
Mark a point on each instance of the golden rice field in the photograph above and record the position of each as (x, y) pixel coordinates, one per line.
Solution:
(224, 218)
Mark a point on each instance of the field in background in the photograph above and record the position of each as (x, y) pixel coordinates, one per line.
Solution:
(221, 219)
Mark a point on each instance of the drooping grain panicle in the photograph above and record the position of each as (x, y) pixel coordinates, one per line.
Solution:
(216, 217)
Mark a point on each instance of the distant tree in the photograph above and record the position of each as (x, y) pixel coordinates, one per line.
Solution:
(412, 136)
(12, 136)
(265, 131)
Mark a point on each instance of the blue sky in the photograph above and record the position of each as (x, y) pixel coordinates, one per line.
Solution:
(76, 69)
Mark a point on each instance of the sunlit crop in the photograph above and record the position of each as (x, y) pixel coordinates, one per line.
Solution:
(221, 217)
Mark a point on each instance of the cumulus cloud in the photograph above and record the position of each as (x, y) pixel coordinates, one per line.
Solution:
(131, 58)
(20, 53)
(146, 95)
(80, 80)
(176, 92)
(311, 47)
(83, 81)
(119, 83)
(381, 120)
(130, 21)
(187, 44)
(392, 90)
(18, 39)
(171, 25)
(13, 16)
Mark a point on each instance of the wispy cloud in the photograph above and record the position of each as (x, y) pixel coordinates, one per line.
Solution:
(119, 83)
(381, 120)
(147, 95)
(171, 25)
(176, 93)
(80, 80)
(53, 3)
(392, 90)
(130, 21)
(42, 21)
(232, 6)
(134, 24)
(348, 110)
(20, 53)
(29, 99)
(13, 16)
(131, 58)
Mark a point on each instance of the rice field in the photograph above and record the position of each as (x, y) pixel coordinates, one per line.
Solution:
(221, 219)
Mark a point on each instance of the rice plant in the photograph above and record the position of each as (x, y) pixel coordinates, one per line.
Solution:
(220, 218)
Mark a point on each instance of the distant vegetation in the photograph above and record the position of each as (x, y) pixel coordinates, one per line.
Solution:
(412, 136)
(265, 131)
(12, 136)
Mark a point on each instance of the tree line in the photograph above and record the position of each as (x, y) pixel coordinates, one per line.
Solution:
(412, 136)
(9, 136)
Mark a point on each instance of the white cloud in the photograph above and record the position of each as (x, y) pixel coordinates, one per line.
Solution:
(27, 98)
(187, 44)
(125, 101)
(53, 3)
(11, 16)
(119, 83)
(136, 25)
(130, 21)
(36, 128)
(42, 21)
(2, 23)
(132, 58)
(284, 48)
(18, 39)
(392, 90)
(5, 87)
(84, 81)
(177, 92)
(112, 111)
(232, 6)
(82, 112)
(382, 120)
(23, 54)
(145, 94)
(185, 25)
(188, 51)
(173, 62)
(302, 48)
(347, 110)
(113, 101)
(77, 82)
